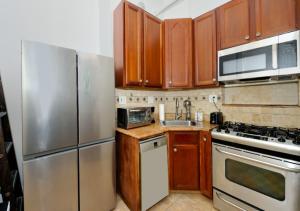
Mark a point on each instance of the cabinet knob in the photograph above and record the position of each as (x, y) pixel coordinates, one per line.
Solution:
(1, 155)
(146, 81)
(214, 80)
(170, 82)
(247, 37)
(204, 139)
(175, 149)
(141, 80)
(258, 34)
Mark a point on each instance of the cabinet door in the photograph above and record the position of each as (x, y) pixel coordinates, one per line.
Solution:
(184, 161)
(274, 17)
(133, 44)
(234, 23)
(153, 65)
(205, 49)
(178, 53)
(205, 164)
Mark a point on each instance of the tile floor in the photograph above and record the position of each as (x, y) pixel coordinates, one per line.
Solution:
(177, 202)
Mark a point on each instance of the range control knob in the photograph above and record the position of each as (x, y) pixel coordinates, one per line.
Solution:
(219, 129)
(227, 130)
(297, 140)
(281, 139)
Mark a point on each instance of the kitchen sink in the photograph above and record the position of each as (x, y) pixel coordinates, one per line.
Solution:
(178, 123)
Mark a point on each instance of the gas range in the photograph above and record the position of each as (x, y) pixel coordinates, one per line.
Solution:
(283, 140)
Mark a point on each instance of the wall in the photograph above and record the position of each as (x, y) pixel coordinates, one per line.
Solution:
(68, 23)
(280, 116)
(197, 7)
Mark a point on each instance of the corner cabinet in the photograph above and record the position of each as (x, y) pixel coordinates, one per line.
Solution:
(178, 53)
(205, 50)
(137, 47)
(255, 19)
(183, 160)
(206, 164)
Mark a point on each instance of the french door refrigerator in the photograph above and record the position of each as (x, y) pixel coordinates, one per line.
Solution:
(68, 129)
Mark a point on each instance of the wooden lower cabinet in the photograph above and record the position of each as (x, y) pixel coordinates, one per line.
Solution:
(206, 164)
(184, 160)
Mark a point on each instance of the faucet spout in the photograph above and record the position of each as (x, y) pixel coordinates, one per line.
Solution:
(177, 115)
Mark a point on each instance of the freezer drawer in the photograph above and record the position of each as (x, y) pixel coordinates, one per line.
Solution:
(51, 182)
(96, 98)
(154, 171)
(97, 177)
(49, 98)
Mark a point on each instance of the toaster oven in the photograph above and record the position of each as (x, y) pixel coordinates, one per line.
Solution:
(128, 118)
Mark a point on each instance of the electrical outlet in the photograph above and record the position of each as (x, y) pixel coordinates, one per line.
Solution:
(213, 98)
(150, 99)
(122, 100)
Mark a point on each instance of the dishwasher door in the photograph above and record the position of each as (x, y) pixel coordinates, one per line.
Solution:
(154, 171)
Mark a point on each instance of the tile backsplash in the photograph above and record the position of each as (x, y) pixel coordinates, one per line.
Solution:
(275, 115)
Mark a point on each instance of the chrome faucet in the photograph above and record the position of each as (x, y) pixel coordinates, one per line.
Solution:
(177, 115)
(188, 104)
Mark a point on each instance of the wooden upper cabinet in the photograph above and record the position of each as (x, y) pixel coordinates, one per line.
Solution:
(274, 17)
(206, 163)
(133, 44)
(178, 53)
(234, 23)
(153, 65)
(205, 49)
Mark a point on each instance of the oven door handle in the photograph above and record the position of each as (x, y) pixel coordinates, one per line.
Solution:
(229, 202)
(297, 170)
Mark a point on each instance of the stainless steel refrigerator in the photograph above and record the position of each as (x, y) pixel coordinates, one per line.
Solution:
(68, 129)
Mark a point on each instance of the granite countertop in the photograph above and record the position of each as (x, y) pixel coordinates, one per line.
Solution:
(156, 129)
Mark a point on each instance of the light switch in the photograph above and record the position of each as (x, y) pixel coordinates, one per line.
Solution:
(122, 100)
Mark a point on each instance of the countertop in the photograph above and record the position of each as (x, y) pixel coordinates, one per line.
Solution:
(156, 129)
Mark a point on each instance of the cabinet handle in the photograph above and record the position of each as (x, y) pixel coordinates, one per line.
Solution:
(258, 34)
(247, 37)
(175, 149)
(204, 139)
(170, 82)
(146, 81)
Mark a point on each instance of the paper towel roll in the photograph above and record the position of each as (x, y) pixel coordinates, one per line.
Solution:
(161, 112)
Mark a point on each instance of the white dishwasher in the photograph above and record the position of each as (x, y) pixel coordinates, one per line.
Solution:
(154, 171)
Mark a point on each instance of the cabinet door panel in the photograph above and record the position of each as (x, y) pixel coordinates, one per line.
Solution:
(234, 23)
(185, 167)
(152, 51)
(133, 44)
(205, 164)
(178, 53)
(274, 17)
(205, 49)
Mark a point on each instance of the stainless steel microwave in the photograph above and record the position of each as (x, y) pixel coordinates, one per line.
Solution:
(275, 56)
(134, 117)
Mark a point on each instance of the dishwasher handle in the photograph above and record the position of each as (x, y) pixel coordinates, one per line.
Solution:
(153, 143)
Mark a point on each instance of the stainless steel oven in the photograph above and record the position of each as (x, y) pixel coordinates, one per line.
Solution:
(250, 180)
(134, 117)
(275, 56)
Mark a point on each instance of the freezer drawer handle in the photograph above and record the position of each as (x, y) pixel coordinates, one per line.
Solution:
(296, 170)
(228, 202)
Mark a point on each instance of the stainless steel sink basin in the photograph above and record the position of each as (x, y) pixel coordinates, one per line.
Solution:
(178, 123)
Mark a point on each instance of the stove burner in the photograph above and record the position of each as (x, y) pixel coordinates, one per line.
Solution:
(261, 132)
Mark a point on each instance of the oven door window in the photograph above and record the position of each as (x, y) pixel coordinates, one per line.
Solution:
(256, 60)
(138, 116)
(258, 179)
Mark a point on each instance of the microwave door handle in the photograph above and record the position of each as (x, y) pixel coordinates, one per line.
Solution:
(135, 110)
(274, 56)
(296, 170)
(228, 202)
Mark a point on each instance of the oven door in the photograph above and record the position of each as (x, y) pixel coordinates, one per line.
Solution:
(253, 60)
(260, 180)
